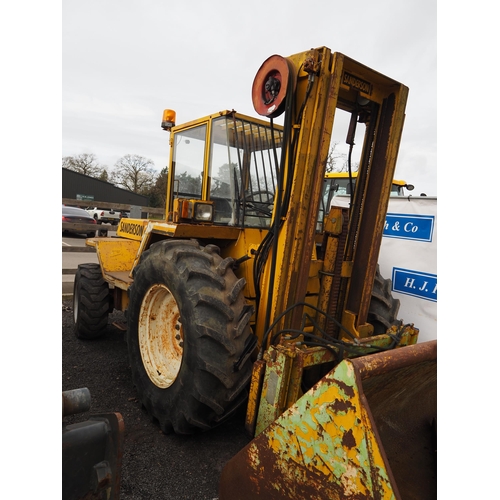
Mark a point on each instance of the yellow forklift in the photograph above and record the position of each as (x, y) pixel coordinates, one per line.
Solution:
(252, 291)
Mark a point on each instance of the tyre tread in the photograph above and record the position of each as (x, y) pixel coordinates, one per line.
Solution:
(94, 302)
(215, 319)
(384, 307)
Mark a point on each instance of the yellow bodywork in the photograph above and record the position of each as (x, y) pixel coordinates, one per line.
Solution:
(345, 175)
(115, 255)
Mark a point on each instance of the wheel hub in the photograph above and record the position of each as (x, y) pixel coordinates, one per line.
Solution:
(161, 336)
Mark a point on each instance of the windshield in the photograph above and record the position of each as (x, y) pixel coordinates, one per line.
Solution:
(243, 171)
(188, 158)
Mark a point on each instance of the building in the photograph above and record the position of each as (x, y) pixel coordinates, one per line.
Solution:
(77, 186)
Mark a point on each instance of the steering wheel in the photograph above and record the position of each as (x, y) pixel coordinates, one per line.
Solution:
(260, 202)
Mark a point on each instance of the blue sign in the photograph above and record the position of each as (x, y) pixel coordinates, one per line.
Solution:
(415, 283)
(409, 227)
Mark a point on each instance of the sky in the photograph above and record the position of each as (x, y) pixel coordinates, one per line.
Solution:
(124, 62)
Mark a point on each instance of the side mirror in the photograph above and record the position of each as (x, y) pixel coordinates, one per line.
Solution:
(410, 187)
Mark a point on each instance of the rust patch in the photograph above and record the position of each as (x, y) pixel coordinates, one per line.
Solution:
(348, 390)
(348, 440)
(273, 478)
(342, 406)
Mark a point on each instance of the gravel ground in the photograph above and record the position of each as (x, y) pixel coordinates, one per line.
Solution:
(155, 465)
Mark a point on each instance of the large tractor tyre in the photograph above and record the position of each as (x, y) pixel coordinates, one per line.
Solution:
(91, 302)
(188, 330)
(383, 310)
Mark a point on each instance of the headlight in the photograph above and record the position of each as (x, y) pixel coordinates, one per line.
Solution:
(192, 210)
(203, 212)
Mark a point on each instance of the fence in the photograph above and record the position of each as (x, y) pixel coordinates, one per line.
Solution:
(115, 206)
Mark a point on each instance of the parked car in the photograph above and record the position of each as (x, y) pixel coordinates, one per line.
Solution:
(78, 215)
(103, 215)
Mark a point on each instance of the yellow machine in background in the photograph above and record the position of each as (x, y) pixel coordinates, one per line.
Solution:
(341, 183)
(253, 291)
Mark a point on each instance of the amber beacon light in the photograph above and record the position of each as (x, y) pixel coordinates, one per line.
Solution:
(168, 120)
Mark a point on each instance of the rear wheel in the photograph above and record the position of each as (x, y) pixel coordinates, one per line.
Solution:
(383, 311)
(188, 326)
(91, 302)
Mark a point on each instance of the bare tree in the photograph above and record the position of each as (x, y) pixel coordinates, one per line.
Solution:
(338, 162)
(335, 161)
(134, 172)
(86, 164)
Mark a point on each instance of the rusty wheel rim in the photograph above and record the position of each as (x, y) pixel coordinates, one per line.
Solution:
(160, 336)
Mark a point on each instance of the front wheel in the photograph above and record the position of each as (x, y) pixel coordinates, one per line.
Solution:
(188, 327)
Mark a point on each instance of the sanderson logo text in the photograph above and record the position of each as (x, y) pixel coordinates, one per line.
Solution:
(135, 229)
(357, 83)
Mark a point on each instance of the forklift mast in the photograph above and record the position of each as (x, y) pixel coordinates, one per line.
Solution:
(310, 87)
